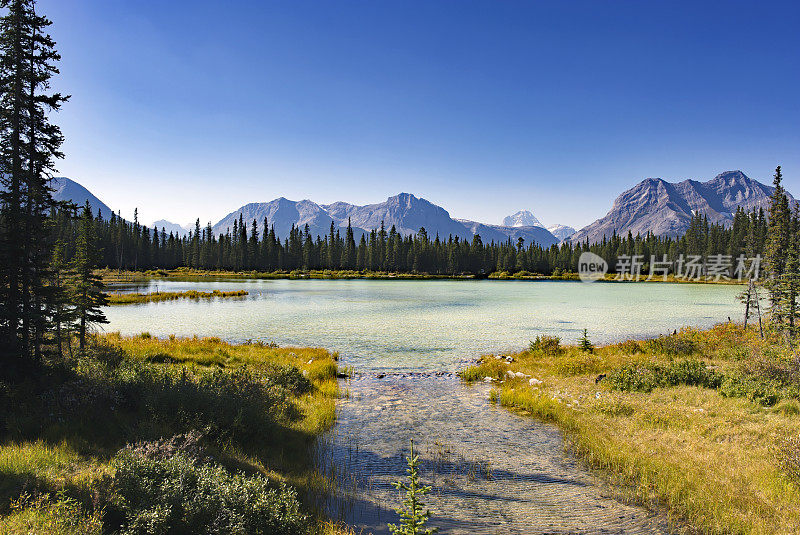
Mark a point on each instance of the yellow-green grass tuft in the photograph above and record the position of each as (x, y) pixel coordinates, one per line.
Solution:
(137, 298)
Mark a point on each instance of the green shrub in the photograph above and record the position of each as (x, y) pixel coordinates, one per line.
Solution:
(547, 345)
(646, 377)
(107, 354)
(236, 404)
(180, 495)
(165, 448)
(633, 378)
(289, 378)
(630, 347)
(735, 353)
(775, 366)
(161, 357)
(690, 372)
(673, 345)
(756, 389)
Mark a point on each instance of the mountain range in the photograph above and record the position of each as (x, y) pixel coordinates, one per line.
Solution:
(406, 212)
(666, 208)
(653, 205)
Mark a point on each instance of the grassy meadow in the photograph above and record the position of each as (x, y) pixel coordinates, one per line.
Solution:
(704, 425)
(143, 435)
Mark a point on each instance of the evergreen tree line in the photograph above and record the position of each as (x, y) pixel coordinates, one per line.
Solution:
(254, 246)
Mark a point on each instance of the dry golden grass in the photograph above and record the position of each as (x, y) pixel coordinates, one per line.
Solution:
(135, 299)
(707, 459)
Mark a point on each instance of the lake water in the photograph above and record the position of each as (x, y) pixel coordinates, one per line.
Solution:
(492, 471)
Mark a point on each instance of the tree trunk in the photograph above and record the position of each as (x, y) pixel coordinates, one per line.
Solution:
(747, 302)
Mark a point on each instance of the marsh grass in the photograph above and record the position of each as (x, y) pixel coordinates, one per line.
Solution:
(137, 298)
(258, 407)
(190, 274)
(707, 457)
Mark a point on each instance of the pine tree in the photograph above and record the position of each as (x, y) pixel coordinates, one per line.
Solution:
(413, 515)
(60, 278)
(29, 145)
(584, 343)
(776, 250)
(790, 280)
(87, 290)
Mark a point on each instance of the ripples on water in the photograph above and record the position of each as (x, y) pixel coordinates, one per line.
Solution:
(492, 471)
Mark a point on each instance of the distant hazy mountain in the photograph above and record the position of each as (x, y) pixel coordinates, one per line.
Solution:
(562, 232)
(282, 213)
(523, 218)
(665, 208)
(405, 211)
(170, 227)
(501, 233)
(69, 190)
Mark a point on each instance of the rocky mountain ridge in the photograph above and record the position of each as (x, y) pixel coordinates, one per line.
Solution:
(666, 208)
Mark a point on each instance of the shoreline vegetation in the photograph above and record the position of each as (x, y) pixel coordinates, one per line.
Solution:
(111, 276)
(702, 425)
(89, 441)
(154, 297)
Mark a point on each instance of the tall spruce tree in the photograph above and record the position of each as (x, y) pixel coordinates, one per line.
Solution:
(87, 291)
(29, 146)
(776, 251)
(61, 276)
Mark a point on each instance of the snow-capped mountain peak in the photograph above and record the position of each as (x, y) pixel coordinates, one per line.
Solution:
(523, 218)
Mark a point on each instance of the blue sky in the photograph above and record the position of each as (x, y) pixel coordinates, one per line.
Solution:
(191, 109)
